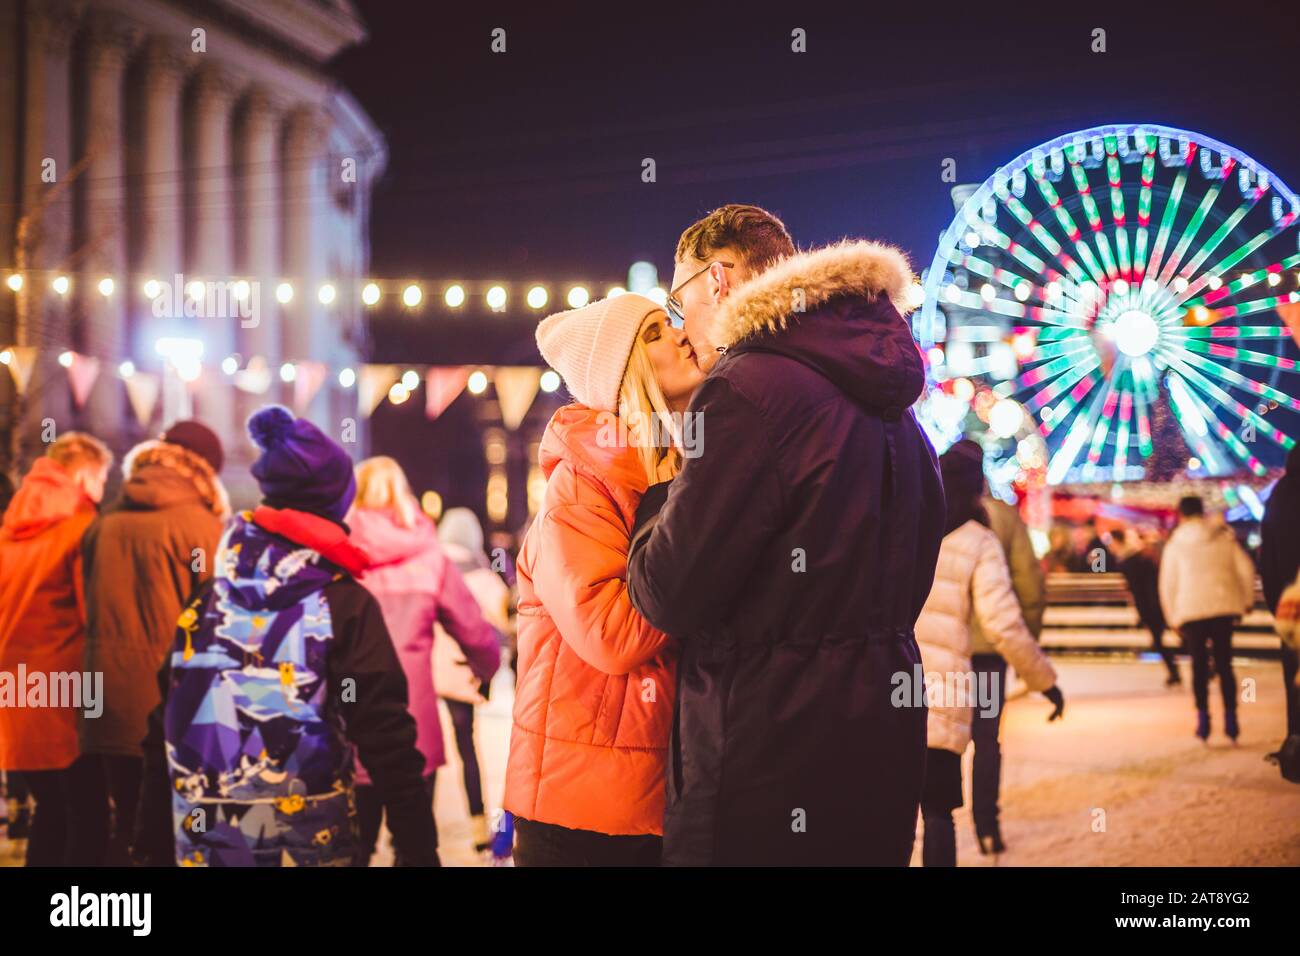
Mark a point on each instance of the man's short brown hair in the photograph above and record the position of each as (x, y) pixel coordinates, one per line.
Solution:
(76, 450)
(754, 233)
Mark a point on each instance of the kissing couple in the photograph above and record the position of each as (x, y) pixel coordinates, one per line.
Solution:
(707, 634)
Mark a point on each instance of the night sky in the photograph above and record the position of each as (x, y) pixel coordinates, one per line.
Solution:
(526, 166)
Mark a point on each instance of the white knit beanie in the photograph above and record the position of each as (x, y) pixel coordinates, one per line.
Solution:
(590, 346)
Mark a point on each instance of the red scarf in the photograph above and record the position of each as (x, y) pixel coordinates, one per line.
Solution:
(323, 536)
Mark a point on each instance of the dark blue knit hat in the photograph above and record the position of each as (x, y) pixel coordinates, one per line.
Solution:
(300, 466)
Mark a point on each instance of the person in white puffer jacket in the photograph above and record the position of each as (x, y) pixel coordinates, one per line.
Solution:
(972, 583)
(1206, 583)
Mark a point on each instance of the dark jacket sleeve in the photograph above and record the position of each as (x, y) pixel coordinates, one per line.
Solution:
(1279, 547)
(153, 843)
(370, 685)
(687, 564)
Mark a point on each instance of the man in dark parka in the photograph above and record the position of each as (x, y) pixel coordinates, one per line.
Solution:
(791, 558)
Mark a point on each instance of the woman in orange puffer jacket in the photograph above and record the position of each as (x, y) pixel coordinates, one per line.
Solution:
(594, 699)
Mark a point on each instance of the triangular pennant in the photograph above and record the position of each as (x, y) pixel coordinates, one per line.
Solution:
(306, 383)
(516, 388)
(255, 377)
(442, 386)
(1290, 312)
(373, 384)
(22, 359)
(82, 372)
(143, 388)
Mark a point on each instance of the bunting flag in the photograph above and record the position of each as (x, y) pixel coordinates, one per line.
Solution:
(22, 359)
(307, 382)
(516, 388)
(442, 386)
(373, 384)
(255, 378)
(143, 389)
(82, 372)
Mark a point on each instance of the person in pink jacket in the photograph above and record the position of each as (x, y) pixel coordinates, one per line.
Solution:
(416, 585)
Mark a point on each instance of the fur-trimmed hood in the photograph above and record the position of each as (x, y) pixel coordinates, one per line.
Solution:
(160, 474)
(839, 310)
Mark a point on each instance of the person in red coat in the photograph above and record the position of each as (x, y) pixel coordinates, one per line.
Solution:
(43, 630)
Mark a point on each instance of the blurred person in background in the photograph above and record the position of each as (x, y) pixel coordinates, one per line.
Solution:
(1207, 582)
(1096, 555)
(143, 560)
(972, 584)
(281, 674)
(1143, 578)
(458, 686)
(1028, 582)
(418, 587)
(43, 630)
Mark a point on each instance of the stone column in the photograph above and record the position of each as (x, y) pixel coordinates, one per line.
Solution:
(210, 260)
(47, 136)
(306, 330)
(258, 241)
(160, 193)
(259, 226)
(104, 198)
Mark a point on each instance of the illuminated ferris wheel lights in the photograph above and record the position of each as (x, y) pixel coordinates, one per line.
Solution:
(1023, 345)
(1005, 417)
(1135, 333)
(1138, 304)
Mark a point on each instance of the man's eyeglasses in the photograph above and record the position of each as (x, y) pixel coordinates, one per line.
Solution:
(673, 306)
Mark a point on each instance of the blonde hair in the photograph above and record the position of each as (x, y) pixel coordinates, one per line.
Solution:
(381, 483)
(74, 451)
(640, 404)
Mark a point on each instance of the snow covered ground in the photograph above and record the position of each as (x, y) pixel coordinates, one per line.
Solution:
(1125, 747)
(1119, 781)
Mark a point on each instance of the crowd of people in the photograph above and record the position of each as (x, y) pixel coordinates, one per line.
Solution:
(770, 646)
(1198, 581)
(267, 676)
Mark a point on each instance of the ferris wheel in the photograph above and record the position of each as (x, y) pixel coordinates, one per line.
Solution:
(1109, 277)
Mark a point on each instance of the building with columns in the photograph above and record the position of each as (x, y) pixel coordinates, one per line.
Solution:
(155, 139)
